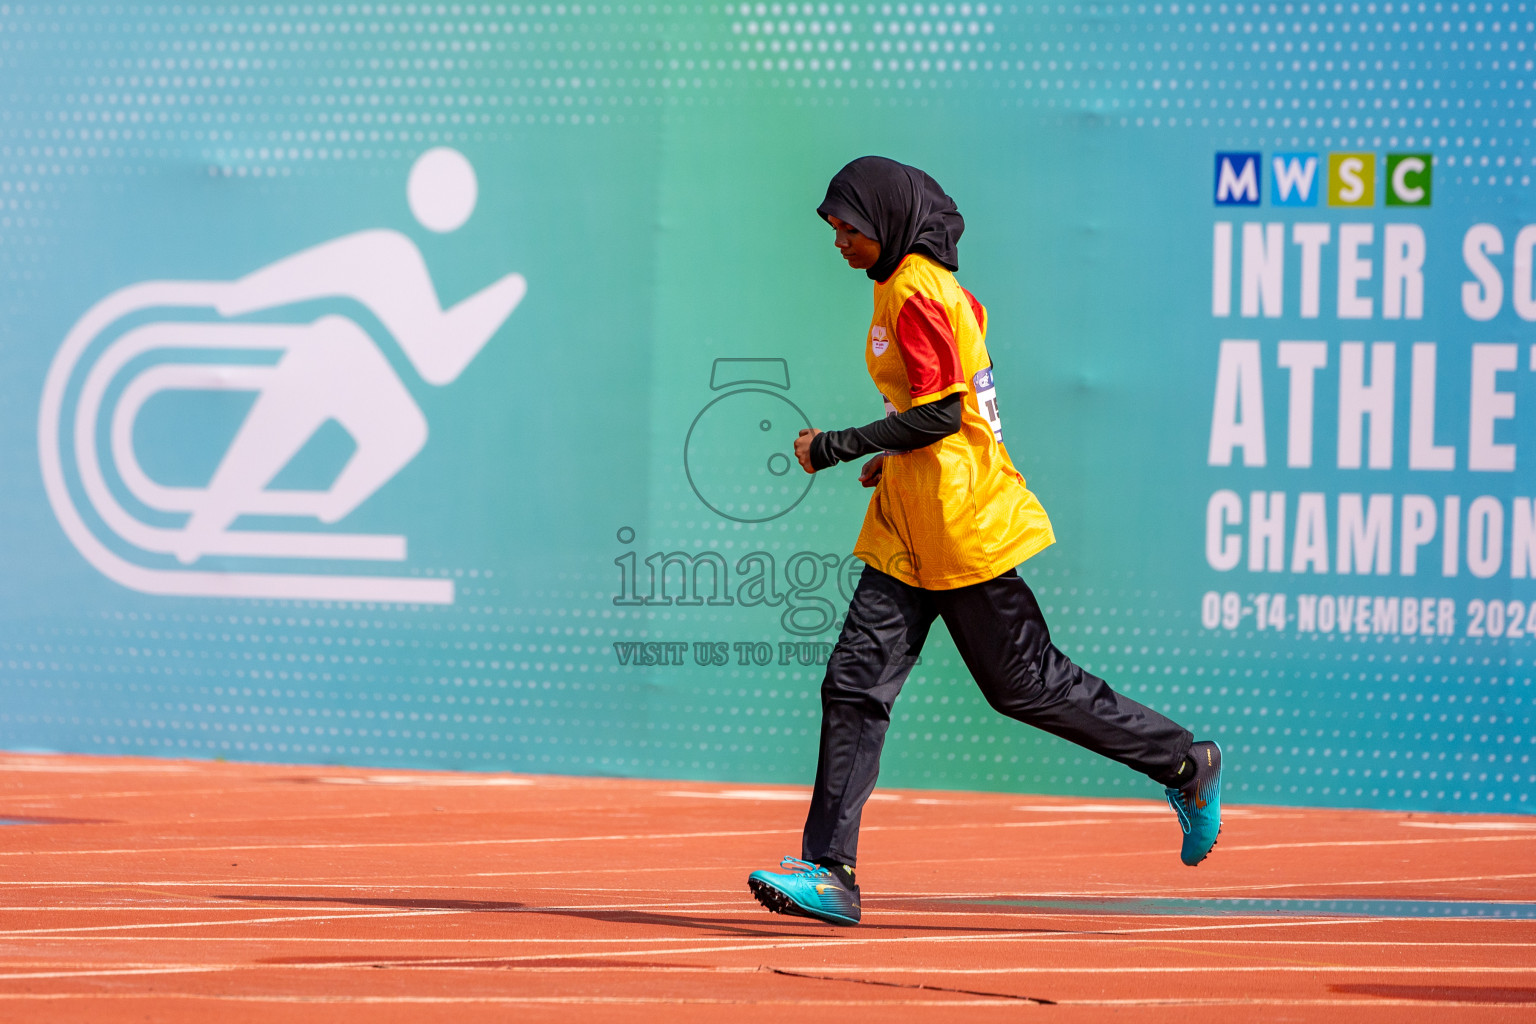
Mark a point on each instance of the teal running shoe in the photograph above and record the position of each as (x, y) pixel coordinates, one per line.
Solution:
(1198, 803)
(806, 890)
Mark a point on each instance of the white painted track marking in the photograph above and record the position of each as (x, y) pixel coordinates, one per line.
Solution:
(654, 837)
(887, 1004)
(14, 973)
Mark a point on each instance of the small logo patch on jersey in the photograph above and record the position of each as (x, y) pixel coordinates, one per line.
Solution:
(878, 340)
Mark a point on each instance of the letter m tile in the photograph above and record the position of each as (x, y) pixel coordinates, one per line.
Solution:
(1237, 179)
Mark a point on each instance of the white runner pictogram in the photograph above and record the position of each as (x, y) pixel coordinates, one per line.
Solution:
(327, 369)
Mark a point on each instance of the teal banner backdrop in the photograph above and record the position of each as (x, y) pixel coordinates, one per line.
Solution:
(414, 384)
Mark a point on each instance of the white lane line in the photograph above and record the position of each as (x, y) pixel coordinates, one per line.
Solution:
(1458, 838)
(498, 940)
(254, 789)
(1233, 925)
(398, 960)
(182, 908)
(18, 972)
(96, 769)
(368, 903)
(374, 890)
(290, 919)
(365, 905)
(1149, 809)
(336, 908)
(407, 960)
(1380, 842)
(727, 903)
(1368, 1001)
(1175, 914)
(642, 837)
(948, 904)
(331, 883)
(95, 997)
(1298, 922)
(300, 917)
(820, 942)
(1518, 826)
(427, 781)
(113, 973)
(278, 776)
(236, 789)
(1025, 936)
(1388, 881)
(1129, 807)
(330, 913)
(1181, 969)
(661, 909)
(796, 796)
(630, 837)
(1007, 1002)
(1235, 891)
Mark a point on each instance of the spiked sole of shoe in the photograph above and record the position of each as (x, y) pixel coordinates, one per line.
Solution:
(773, 899)
(779, 903)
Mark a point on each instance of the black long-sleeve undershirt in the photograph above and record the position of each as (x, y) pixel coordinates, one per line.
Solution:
(918, 427)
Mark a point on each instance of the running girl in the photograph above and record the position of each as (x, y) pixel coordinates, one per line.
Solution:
(949, 520)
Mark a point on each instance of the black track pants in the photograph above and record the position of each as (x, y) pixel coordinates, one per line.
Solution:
(1002, 636)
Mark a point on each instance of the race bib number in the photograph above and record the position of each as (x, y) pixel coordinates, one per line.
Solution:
(986, 400)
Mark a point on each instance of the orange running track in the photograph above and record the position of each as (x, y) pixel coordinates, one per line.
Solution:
(146, 890)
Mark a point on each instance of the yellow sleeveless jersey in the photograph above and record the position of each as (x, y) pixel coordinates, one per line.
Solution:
(955, 512)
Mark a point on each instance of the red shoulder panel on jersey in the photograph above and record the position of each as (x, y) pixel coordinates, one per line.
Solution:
(927, 344)
(978, 309)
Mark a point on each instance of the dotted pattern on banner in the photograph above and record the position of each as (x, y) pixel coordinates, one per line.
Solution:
(1335, 720)
(264, 90)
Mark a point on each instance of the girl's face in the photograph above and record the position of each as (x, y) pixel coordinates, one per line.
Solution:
(861, 251)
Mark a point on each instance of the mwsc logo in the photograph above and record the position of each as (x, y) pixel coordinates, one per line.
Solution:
(1347, 179)
(251, 335)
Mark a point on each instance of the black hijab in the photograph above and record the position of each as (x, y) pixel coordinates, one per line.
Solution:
(898, 206)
